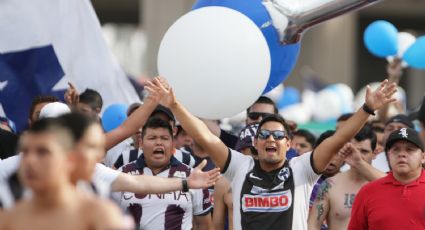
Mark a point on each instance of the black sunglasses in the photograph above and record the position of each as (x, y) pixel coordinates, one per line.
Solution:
(257, 115)
(277, 134)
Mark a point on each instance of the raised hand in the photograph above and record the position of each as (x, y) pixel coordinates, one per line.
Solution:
(350, 154)
(381, 96)
(199, 179)
(168, 98)
(155, 90)
(72, 97)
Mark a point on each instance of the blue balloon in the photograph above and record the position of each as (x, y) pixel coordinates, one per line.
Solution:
(289, 96)
(380, 38)
(283, 57)
(415, 54)
(114, 116)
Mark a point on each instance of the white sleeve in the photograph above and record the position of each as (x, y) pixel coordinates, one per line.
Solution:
(9, 166)
(237, 163)
(103, 174)
(201, 202)
(302, 164)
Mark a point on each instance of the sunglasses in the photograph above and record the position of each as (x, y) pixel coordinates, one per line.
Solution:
(277, 134)
(257, 115)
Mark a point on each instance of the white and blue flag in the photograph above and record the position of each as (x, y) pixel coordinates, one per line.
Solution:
(46, 43)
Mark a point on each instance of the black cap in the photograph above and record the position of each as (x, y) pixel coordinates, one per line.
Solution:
(164, 110)
(246, 137)
(406, 134)
(401, 118)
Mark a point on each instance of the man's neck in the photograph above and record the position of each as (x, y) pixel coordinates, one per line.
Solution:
(267, 167)
(60, 195)
(354, 175)
(408, 178)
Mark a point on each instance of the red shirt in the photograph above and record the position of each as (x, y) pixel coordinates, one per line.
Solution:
(388, 204)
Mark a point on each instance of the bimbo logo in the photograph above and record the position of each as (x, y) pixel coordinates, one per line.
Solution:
(269, 202)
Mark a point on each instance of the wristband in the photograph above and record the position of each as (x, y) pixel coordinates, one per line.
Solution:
(184, 185)
(368, 110)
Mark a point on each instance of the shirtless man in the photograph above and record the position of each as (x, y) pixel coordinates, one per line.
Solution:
(46, 167)
(336, 195)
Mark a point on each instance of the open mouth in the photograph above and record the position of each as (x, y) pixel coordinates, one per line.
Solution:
(271, 149)
(159, 152)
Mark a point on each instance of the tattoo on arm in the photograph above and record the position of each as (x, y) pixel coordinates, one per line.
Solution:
(320, 211)
(323, 190)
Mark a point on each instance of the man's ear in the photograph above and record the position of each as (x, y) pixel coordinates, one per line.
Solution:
(98, 110)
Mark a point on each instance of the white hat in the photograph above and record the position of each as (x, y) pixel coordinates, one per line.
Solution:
(54, 109)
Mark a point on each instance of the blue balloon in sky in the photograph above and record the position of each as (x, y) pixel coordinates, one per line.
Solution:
(283, 57)
(415, 54)
(289, 96)
(114, 116)
(380, 38)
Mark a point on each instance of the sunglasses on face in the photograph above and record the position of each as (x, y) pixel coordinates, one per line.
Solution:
(277, 134)
(257, 115)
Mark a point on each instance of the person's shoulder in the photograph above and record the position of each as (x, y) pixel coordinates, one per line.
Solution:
(98, 209)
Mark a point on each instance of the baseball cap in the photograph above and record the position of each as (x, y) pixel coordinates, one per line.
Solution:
(406, 134)
(164, 110)
(401, 118)
(54, 109)
(246, 137)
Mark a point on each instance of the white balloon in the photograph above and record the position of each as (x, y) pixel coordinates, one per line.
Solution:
(300, 113)
(332, 102)
(405, 40)
(217, 60)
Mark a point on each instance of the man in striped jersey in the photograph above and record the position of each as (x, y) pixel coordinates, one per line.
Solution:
(166, 211)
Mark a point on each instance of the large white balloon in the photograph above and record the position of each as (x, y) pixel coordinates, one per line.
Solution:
(217, 60)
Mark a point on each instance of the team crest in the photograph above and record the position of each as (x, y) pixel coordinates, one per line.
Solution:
(284, 174)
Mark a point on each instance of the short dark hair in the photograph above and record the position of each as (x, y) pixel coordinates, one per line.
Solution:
(309, 137)
(344, 117)
(77, 123)
(276, 118)
(264, 100)
(92, 98)
(367, 133)
(54, 126)
(41, 99)
(156, 122)
(323, 137)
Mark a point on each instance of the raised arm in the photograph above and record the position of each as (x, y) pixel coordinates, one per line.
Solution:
(138, 118)
(354, 159)
(195, 128)
(144, 184)
(374, 101)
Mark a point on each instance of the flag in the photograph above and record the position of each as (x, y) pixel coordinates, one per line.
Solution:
(45, 44)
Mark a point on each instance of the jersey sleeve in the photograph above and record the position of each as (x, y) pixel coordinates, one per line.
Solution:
(201, 202)
(236, 163)
(359, 218)
(303, 164)
(103, 174)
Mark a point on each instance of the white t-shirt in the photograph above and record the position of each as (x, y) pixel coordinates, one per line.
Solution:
(381, 163)
(9, 166)
(304, 179)
(173, 210)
